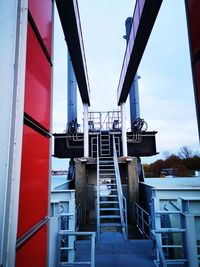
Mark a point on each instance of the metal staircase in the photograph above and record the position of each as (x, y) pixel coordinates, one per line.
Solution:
(104, 143)
(111, 204)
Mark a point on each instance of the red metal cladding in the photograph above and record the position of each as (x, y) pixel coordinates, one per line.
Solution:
(38, 82)
(34, 252)
(193, 11)
(41, 12)
(197, 80)
(33, 201)
(194, 20)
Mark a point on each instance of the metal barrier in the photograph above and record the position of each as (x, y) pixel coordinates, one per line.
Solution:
(159, 235)
(67, 233)
(108, 120)
(143, 220)
(122, 199)
(98, 194)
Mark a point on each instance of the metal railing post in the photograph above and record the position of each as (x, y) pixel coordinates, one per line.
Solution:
(98, 194)
(93, 251)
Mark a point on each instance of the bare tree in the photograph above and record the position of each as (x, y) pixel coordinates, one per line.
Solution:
(185, 152)
(166, 154)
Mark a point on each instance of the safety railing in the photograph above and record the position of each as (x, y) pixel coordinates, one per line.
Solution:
(122, 199)
(66, 233)
(162, 260)
(98, 194)
(142, 219)
(108, 120)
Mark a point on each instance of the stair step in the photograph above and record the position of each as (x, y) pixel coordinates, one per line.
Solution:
(110, 196)
(109, 216)
(113, 174)
(106, 165)
(108, 178)
(106, 161)
(105, 168)
(109, 209)
(107, 189)
(109, 202)
(110, 224)
(106, 157)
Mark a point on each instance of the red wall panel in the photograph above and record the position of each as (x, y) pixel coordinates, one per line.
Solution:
(38, 82)
(34, 252)
(197, 79)
(33, 202)
(41, 12)
(194, 18)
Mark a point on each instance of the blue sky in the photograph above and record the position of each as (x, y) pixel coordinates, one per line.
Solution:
(165, 87)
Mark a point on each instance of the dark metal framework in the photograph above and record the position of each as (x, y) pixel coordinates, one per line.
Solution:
(144, 16)
(70, 20)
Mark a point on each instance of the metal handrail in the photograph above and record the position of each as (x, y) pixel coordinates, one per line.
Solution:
(122, 199)
(71, 233)
(140, 219)
(98, 193)
(104, 120)
(160, 250)
(155, 234)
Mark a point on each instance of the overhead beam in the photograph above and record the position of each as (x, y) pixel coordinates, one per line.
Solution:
(70, 21)
(144, 16)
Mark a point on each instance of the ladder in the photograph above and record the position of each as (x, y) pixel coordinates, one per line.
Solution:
(104, 143)
(111, 204)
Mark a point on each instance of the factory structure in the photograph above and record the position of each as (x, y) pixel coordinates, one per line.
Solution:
(106, 213)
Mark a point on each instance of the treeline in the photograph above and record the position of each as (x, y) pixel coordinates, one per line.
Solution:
(182, 164)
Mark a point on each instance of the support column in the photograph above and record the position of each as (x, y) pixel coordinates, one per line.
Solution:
(124, 138)
(134, 101)
(85, 130)
(72, 93)
(134, 94)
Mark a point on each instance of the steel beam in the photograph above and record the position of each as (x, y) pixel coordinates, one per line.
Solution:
(144, 16)
(70, 20)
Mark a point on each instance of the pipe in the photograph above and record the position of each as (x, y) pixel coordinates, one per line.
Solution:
(124, 137)
(85, 130)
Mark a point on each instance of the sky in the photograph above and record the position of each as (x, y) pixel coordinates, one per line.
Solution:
(165, 88)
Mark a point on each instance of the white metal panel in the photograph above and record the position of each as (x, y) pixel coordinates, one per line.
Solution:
(13, 34)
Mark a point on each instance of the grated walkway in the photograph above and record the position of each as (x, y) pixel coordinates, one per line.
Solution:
(114, 252)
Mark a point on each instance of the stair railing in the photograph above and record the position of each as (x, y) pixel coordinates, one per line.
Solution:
(98, 193)
(122, 199)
